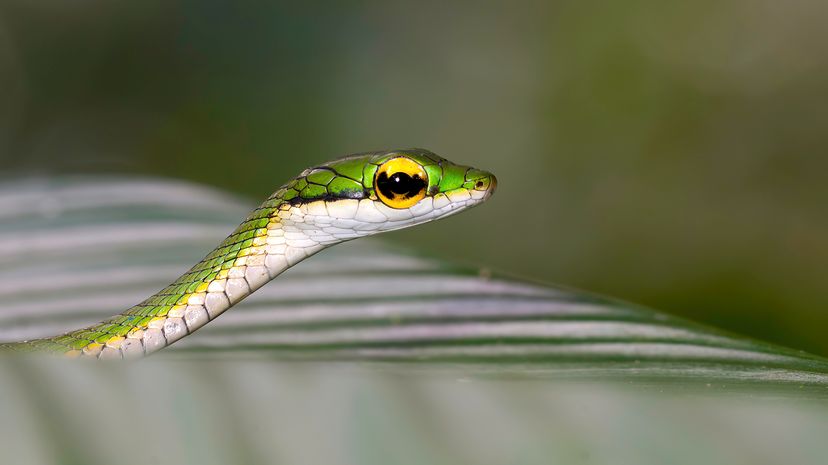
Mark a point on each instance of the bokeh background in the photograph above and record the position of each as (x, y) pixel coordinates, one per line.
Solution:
(668, 153)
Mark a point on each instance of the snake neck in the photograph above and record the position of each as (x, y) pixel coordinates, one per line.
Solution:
(274, 237)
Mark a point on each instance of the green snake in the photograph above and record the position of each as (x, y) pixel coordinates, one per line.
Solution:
(347, 198)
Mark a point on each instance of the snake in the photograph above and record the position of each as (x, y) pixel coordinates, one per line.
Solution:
(350, 197)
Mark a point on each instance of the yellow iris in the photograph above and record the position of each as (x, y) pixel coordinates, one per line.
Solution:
(400, 182)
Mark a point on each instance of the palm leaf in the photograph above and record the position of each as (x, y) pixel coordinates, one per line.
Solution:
(76, 250)
(406, 358)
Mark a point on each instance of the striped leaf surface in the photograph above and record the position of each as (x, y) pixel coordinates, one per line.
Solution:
(75, 250)
(364, 354)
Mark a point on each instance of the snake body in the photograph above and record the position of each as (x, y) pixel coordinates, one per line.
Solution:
(344, 199)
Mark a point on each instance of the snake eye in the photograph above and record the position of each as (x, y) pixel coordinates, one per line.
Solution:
(400, 182)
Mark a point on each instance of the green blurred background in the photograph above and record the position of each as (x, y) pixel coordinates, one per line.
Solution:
(668, 153)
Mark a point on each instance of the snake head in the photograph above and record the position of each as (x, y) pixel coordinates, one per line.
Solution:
(372, 192)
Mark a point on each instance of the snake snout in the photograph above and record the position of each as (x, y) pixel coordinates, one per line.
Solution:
(482, 181)
(492, 185)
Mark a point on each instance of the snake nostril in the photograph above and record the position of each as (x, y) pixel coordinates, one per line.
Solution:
(479, 185)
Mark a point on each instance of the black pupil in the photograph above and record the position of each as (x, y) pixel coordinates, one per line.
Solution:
(400, 184)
